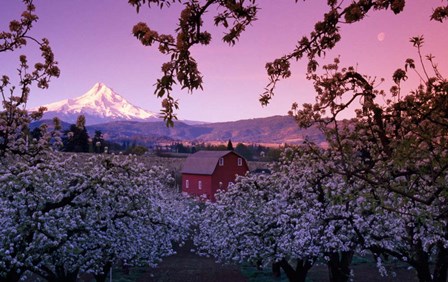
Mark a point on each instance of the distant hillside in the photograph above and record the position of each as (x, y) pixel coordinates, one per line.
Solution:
(120, 121)
(148, 131)
(274, 130)
(49, 122)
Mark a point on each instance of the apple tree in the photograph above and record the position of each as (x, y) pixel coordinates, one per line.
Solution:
(401, 148)
(393, 151)
(60, 215)
(291, 218)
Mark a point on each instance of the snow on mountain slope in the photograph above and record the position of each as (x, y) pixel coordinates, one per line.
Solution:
(99, 104)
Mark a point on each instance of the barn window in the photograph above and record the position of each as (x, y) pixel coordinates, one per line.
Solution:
(221, 161)
(187, 183)
(200, 185)
(240, 162)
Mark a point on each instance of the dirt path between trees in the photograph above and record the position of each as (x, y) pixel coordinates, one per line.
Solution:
(186, 266)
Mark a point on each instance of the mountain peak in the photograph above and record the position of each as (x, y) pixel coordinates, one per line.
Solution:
(99, 104)
(101, 93)
(100, 87)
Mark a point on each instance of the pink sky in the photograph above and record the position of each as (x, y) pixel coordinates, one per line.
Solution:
(93, 43)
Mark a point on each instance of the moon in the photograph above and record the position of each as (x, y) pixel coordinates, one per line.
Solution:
(381, 36)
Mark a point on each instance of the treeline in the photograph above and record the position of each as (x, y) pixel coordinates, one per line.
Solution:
(77, 139)
(252, 152)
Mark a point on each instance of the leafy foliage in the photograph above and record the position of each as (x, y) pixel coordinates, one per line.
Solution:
(76, 138)
(397, 150)
(281, 218)
(235, 17)
(182, 67)
(14, 117)
(114, 209)
(58, 216)
(379, 187)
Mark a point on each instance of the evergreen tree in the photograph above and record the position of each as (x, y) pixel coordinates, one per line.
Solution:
(230, 145)
(98, 142)
(77, 138)
(36, 133)
(244, 151)
(181, 148)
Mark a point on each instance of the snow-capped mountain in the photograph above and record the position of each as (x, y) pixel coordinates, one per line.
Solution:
(100, 104)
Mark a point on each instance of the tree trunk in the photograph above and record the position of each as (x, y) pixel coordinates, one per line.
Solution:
(101, 277)
(301, 271)
(61, 274)
(302, 268)
(339, 266)
(441, 267)
(289, 271)
(346, 261)
(421, 265)
(276, 269)
(423, 273)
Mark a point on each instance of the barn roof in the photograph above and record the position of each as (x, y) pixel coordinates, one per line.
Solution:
(203, 162)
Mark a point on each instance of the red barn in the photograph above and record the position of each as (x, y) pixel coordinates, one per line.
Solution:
(205, 172)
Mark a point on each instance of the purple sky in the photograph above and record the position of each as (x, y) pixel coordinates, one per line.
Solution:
(93, 43)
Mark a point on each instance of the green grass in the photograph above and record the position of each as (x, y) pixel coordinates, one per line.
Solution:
(134, 274)
(118, 276)
(360, 260)
(264, 275)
